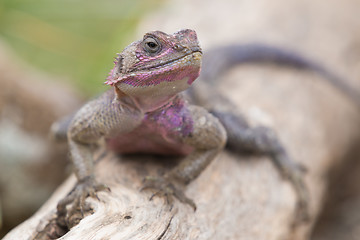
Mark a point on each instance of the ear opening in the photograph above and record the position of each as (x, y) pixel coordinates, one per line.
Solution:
(118, 93)
(118, 64)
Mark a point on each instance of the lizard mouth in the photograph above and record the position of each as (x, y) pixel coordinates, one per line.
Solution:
(194, 52)
(194, 56)
(188, 59)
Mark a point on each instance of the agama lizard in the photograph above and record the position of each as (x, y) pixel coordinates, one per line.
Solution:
(145, 111)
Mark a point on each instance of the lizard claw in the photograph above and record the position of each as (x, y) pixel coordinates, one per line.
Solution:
(166, 188)
(85, 188)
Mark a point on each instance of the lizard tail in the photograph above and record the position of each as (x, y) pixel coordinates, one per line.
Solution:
(218, 60)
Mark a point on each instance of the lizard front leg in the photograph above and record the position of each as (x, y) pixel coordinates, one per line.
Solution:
(208, 139)
(102, 117)
(87, 185)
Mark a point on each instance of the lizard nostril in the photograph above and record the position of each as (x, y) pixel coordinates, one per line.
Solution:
(178, 47)
(196, 49)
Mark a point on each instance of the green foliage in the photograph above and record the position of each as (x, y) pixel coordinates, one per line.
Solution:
(73, 38)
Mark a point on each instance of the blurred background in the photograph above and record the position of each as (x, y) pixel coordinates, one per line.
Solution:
(71, 39)
(56, 54)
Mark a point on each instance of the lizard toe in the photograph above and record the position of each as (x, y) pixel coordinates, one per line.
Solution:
(164, 187)
(73, 207)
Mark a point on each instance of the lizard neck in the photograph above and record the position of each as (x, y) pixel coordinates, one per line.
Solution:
(150, 105)
(145, 103)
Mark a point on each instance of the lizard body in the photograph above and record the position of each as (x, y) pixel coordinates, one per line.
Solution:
(170, 123)
(146, 112)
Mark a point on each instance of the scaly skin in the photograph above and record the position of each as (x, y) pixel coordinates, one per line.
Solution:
(144, 112)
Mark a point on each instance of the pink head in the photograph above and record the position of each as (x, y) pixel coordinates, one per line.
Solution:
(159, 66)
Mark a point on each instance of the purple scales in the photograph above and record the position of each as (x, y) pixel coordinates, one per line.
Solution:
(160, 132)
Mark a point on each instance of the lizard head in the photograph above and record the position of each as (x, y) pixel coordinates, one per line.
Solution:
(158, 66)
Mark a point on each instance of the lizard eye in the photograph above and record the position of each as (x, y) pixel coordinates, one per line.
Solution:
(151, 45)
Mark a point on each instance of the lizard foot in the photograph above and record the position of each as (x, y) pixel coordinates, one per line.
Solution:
(83, 189)
(164, 186)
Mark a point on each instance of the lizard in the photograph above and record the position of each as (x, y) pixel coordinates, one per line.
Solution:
(147, 111)
(144, 112)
